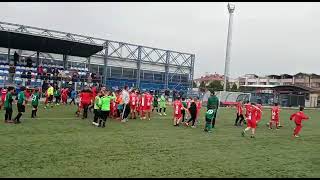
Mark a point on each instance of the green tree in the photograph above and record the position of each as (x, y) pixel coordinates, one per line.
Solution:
(202, 84)
(215, 86)
(228, 86)
(234, 87)
(194, 84)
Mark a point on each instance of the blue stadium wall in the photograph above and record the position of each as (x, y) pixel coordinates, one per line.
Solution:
(149, 80)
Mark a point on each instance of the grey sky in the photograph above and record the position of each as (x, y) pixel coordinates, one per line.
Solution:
(267, 37)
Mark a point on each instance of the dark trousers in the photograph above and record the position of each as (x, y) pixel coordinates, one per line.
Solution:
(96, 115)
(85, 110)
(164, 110)
(72, 100)
(183, 115)
(34, 111)
(193, 118)
(58, 99)
(104, 115)
(126, 111)
(8, 114)
(237, 119)
(214, 118)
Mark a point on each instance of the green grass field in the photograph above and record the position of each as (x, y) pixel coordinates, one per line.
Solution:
(60, 145)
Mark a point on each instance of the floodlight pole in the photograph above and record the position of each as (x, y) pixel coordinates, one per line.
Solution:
(228, 50)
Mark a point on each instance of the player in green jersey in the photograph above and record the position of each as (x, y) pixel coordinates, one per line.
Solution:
(8, 105)
(35, 102)
(21, 104)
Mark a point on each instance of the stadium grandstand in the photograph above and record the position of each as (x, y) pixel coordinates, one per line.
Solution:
(31, 55)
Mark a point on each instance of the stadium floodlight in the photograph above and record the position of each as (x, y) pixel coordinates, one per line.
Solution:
(231, 8)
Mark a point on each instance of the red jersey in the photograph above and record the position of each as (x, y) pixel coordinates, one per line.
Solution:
(248, 110)
(259, 113)
(133, 99)
(275, 113)
(3, 94)
(177, 106)
(199, 105)
(94, 92)
(148, 100)
(298, 117)
(86, 97)
(239, 109)
(188, 103)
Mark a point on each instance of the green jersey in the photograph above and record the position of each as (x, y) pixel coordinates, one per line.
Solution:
(21, 97)
(105, 102)
(8, 101)
(184, 103)
(155, 101)
(210, 113)
(213, 102)
(56, 93)
(162, 101)
(97, 102)
(35, 99)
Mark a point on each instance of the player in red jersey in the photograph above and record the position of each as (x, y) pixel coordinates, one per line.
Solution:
(3, 96)
(141, 105)
(148, 98)
(239, 114)
(259, 113)
(86, 100)
(64, 95)
(133, 104)
(298, 117)
(177, 114)
(252, 116)
(275, 110)
(199, 106)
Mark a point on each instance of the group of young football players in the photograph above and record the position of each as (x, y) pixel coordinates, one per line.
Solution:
(7, 100)
(253, 115)
(122, 103)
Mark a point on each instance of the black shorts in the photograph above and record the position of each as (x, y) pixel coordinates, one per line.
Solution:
(50, 98)
(35, 106)
(21, 108)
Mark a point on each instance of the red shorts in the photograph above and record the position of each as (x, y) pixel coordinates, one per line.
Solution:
(178, 116)
(275, 120)
(252, 123)
(147, 108)
(133, 107)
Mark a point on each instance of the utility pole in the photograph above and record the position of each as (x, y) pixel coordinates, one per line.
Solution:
(231, 8)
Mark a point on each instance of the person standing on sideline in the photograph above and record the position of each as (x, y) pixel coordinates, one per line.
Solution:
(126, 105)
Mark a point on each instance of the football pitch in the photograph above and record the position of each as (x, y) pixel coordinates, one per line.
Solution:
(58, 144)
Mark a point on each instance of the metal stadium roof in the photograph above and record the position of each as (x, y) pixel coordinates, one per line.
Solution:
(42, 40)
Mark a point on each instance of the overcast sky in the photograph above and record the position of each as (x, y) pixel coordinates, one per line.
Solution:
(268, 38)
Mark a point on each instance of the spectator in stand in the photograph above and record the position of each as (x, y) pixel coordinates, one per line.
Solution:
(29, 76)
(15, 58)
(89, 78)
(29, 62)
(12, 71)
(40, 70)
